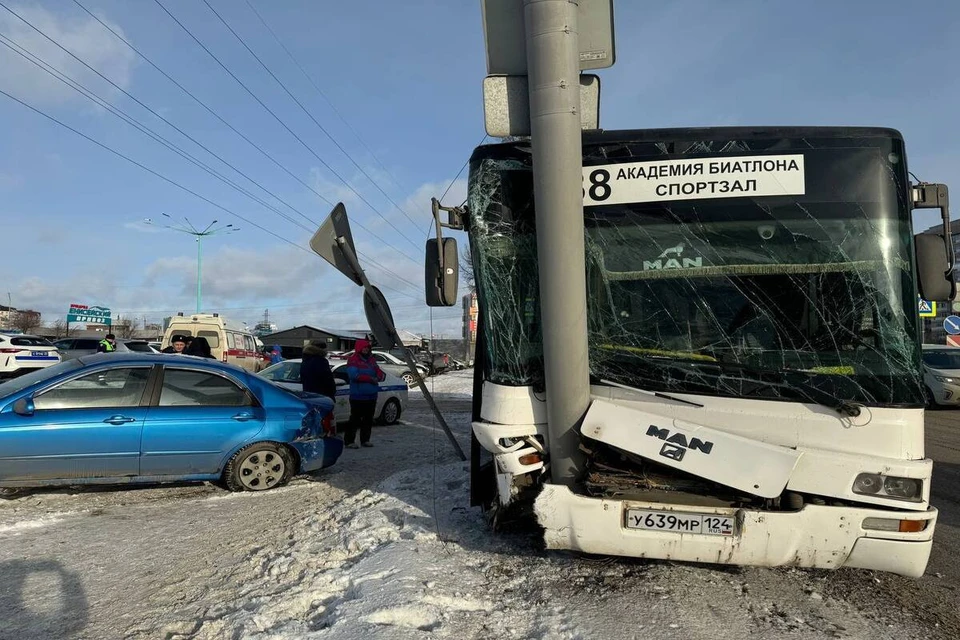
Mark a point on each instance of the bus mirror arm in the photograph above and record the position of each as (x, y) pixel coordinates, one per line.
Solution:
(442, 268)
(935, 254)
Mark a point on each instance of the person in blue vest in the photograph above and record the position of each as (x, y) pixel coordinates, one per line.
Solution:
(108, 344)
(365, 376)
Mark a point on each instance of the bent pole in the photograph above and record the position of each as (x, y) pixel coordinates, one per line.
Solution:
(348, 253)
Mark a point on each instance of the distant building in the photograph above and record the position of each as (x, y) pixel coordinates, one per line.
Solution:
(470, 313)
(294, 340)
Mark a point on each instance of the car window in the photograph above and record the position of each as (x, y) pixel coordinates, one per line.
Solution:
(248, 343)
(231, 341)
(184, 387)
(63, 344)
(380, 358)
(117, 387)
(946, 359)
(142, 347)
(29, 341)
(283, 372)
(341, 377)
(86, 343)
(213, 338)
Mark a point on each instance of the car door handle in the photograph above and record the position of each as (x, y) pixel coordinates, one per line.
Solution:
(243, 417)
(119, 420)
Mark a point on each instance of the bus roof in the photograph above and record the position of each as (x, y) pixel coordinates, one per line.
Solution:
(698, 134)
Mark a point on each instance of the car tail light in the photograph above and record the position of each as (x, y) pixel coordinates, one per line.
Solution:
(7, 350)
(329, 424)
(224, 356)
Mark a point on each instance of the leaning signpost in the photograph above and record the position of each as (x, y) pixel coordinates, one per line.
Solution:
(333, 242)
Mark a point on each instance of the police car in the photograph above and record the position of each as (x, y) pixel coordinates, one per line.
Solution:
(390, 401)
(21, 353)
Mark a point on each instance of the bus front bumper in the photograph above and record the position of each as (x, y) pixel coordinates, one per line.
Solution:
(823, 537)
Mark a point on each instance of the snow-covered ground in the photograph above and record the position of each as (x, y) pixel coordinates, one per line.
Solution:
(383, 545)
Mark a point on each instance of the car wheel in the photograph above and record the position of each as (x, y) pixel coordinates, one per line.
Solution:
(931, 399)
(258, 467)
(409, 378)
(390, 414)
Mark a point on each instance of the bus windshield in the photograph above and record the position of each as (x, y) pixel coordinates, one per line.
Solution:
(786, 297)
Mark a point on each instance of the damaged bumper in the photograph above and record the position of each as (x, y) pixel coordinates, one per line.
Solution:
(318, 453)
(823, 537)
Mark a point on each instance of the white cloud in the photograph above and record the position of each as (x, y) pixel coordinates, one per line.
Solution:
(83, 36)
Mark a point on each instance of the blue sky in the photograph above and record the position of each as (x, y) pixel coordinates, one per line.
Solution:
(407, 77)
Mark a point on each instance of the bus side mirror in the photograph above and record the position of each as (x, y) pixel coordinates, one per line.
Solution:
(442, 272)
(935, 279)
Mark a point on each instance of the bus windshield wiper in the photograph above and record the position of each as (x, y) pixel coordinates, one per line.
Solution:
(751, 375)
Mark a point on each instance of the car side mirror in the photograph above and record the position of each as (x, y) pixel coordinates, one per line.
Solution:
(442, 272)
(24, 407)
(935, 279)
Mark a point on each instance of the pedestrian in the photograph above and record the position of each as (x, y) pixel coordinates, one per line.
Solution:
(177, 344)
(108, 344)
(365, 376)
(315, 373)
(276, 356)
(198, 347)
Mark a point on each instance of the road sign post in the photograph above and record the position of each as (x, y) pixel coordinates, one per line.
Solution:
(333, 242)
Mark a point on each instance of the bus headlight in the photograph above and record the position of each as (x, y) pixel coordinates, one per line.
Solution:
(903, 488)
(874, 484)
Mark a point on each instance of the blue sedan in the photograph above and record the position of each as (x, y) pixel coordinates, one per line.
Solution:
(137, 418)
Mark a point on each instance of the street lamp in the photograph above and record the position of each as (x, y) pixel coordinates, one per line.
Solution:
(189, 229)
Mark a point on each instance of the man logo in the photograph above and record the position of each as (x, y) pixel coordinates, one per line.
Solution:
(677, 444)
(673, 452)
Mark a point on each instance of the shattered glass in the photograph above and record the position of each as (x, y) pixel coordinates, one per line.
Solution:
(805, 298)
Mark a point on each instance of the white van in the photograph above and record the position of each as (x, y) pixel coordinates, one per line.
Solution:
(229, 342)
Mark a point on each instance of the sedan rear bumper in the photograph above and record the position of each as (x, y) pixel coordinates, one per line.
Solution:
(318, 454)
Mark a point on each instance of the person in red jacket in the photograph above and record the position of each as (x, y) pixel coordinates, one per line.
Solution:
(365, 376)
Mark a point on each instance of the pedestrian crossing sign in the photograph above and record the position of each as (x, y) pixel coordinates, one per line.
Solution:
(928, 309)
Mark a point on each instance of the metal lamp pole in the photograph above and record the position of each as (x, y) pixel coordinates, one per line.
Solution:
(199, 235)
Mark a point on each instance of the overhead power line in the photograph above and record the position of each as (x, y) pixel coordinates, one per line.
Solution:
(323, 95)
(307, 112)
(216, 115)
(280, 121)
(168, 180)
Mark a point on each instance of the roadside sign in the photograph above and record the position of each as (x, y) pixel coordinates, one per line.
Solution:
(952, 325)
(953, 341)
(91, 315)
(324, 242)
(505, 38)
(383, 331)
(506, 104)
(928, 309)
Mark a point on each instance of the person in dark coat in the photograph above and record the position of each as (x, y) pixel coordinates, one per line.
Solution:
(315, 373)
(198, 347)
(177, 344)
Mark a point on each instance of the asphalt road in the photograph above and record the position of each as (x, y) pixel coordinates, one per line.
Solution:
(933, 601)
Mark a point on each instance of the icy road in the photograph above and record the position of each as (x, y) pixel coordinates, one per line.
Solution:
(383, 545)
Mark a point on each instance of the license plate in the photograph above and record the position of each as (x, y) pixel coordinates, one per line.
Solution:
(39, 354)
(710, 525)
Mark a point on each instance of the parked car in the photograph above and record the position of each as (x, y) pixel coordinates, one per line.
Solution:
(390, 363)
(158, 346)
(391, 400)
(941, 374)
(71, 348)
(140, 346)
(21, 353)
(131, 417)
(457, 365)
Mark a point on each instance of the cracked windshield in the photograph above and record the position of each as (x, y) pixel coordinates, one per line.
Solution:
(799, 298)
